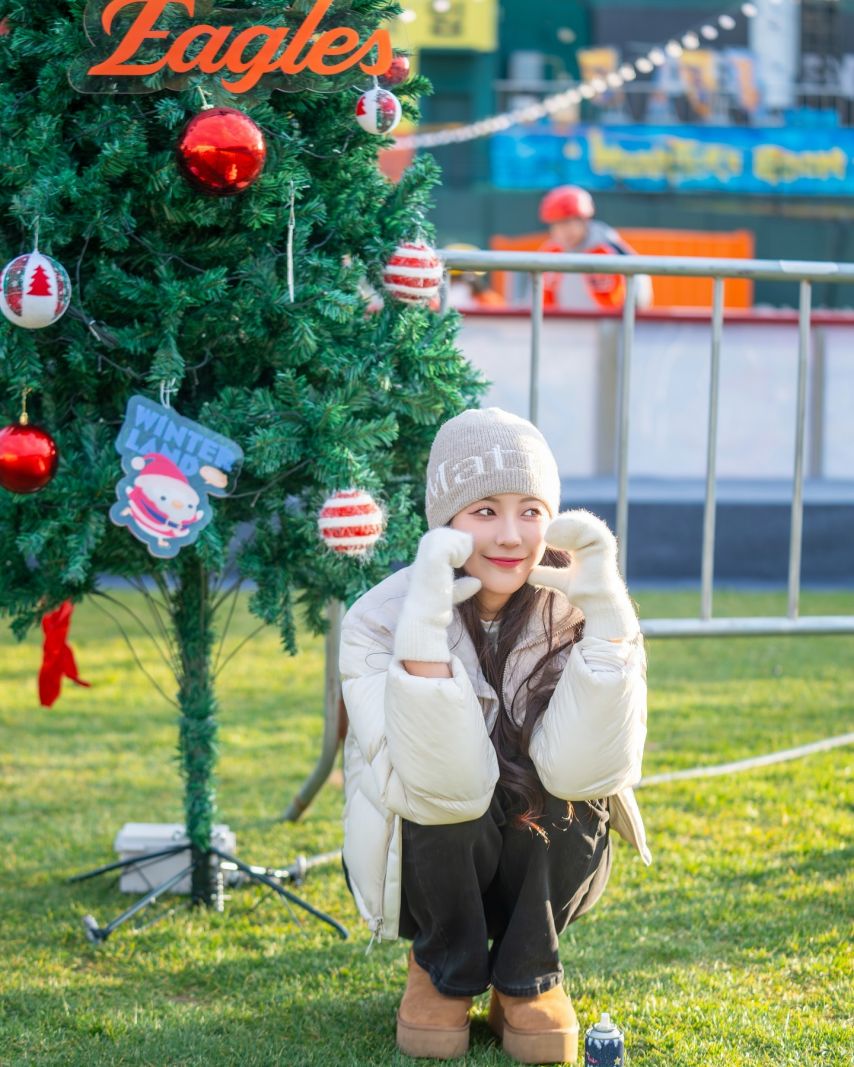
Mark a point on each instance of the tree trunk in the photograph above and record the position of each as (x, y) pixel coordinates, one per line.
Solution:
(192, 617)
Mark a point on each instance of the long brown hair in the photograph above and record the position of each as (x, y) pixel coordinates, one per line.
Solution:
(511, 741)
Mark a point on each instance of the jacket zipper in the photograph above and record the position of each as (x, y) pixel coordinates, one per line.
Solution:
(376, 934)
(515, 653)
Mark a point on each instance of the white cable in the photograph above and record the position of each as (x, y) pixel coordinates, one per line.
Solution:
(749, 764)
(291, 227)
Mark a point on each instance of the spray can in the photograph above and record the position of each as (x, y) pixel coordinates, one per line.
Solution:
(603, 1044)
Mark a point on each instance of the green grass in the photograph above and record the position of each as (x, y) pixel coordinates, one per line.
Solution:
(733, 948)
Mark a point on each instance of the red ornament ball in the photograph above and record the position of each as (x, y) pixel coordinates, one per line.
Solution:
(28, 458)
(221, 151)
(414, 273)
(397, 72)
(351, 522)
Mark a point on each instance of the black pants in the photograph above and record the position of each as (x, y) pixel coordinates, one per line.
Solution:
(470, 883)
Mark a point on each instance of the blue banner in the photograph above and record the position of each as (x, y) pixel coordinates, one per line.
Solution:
(784, 161)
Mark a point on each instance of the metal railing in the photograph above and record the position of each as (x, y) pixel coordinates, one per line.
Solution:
(538, 263)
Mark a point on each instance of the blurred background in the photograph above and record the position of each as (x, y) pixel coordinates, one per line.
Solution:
(746, 130)
(711, 129)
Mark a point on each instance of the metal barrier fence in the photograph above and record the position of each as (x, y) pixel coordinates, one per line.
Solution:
(538, 263)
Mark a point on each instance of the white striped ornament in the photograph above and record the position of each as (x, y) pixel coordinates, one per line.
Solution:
(414, 273)
(351, 522)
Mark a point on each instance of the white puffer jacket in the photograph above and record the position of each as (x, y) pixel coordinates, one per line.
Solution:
(420, 749)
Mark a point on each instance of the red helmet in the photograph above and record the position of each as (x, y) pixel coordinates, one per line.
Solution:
(566, 202)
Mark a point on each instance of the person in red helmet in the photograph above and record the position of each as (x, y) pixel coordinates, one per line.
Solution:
(569, 212)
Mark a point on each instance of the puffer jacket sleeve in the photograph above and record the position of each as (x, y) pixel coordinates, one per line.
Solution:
(589, 741)
(424, 740)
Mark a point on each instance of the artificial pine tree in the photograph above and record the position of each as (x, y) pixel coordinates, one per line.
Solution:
(178, 290)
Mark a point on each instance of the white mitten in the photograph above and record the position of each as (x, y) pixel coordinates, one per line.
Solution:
(421, 633)
(592, 581)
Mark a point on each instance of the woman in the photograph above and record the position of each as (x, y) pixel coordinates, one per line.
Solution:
(497, 713)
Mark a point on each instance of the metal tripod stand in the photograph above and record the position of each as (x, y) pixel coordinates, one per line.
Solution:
(237, 872)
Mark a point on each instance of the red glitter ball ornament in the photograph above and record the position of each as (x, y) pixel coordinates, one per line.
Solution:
(351, 522)
(221, 151)
(397, 72)
(413, 275)
(28, 458)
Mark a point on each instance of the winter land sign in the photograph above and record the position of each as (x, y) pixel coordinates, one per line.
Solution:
(171, 466)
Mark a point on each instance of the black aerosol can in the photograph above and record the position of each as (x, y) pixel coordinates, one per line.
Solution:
(603, 1044)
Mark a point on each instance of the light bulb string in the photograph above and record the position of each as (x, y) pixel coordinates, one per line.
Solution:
(585, 90)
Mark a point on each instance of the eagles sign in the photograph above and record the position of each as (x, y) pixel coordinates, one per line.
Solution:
(134, 41)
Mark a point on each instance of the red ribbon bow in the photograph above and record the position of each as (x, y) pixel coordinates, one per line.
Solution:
(57, 658)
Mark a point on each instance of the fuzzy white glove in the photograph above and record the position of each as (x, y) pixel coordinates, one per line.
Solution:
(421, 633)
(592, 581)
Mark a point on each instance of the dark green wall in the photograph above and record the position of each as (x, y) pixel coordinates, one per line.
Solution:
(533, 25)
(462, 93)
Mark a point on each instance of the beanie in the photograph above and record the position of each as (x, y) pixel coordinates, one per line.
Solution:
(483, 452)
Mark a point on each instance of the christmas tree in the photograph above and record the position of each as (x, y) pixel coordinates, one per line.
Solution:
(187, 298)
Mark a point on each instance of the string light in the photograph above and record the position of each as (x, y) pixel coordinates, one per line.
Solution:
(656, 57)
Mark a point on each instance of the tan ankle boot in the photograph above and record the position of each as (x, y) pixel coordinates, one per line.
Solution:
(430, 1024)
(540, 1029)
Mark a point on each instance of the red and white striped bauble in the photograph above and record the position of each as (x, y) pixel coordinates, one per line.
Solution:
(378, 111)
(34, 290)
(351, 522)
(414, 273)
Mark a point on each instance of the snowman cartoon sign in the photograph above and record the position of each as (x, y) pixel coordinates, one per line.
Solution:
(171, 466)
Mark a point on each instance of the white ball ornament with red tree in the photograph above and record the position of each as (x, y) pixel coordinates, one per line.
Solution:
(35, 290)
(413, 274)
(378, 111)
(351, 522)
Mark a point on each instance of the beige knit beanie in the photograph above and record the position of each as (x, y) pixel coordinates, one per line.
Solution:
(483, 452)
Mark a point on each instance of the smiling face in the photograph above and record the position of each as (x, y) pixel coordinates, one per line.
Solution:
(509, 541)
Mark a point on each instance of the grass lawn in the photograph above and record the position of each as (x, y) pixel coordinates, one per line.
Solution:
(734, 948)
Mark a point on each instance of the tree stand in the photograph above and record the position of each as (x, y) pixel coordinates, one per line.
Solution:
(191, 612)
(226, 870)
